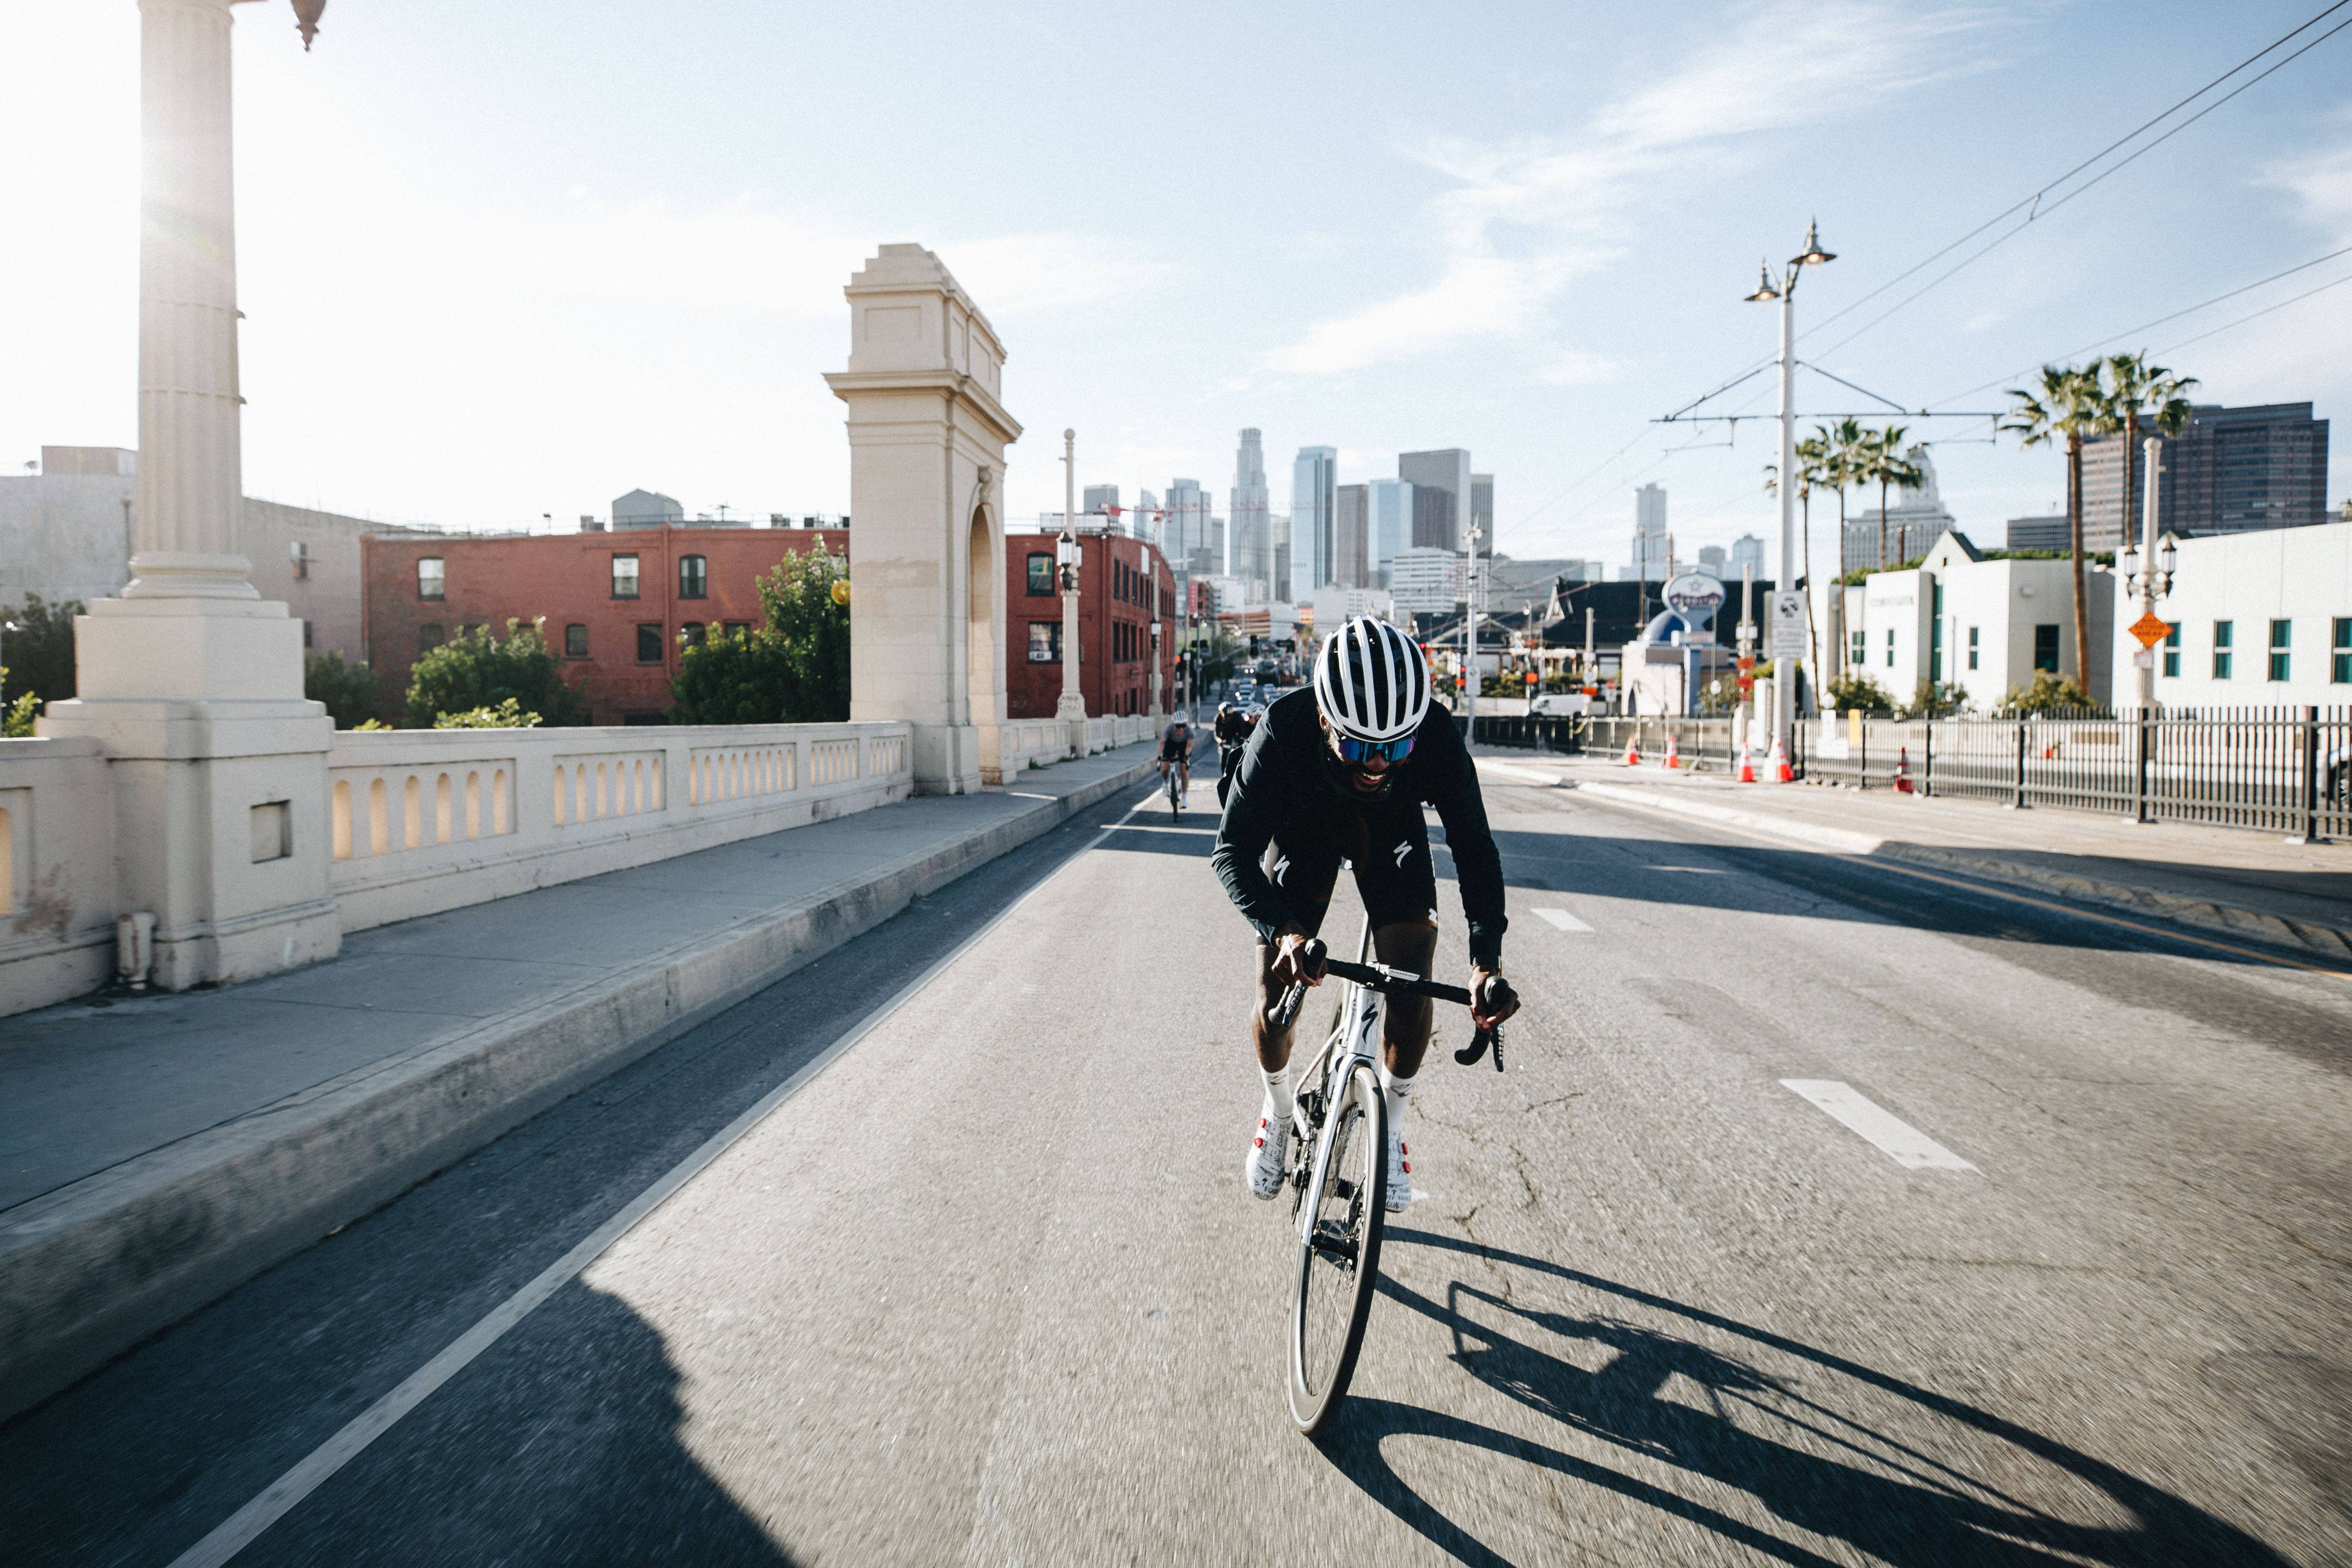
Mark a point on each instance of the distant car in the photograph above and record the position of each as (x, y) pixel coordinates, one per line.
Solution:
(1558, 704)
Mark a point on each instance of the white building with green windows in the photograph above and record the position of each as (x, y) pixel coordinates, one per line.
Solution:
(1962, 619)
(2258, 620)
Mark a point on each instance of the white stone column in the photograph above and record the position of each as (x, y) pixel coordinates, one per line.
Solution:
(927, 440)
(191, 681)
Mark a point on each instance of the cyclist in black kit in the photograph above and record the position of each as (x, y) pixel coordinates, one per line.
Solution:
(1343, 771)
(1232, 731)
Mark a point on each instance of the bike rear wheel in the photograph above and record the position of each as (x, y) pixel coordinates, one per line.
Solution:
(1339, 1239)
(1175, 795)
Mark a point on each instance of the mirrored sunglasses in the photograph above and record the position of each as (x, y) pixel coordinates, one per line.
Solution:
(1352, 750)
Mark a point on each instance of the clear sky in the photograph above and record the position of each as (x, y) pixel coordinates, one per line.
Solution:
(502, 260)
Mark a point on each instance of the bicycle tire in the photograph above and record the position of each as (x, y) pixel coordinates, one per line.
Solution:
(1338, 1251)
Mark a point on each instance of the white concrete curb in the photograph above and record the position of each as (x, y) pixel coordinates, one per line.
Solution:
(1989, 865)
(90, 1270)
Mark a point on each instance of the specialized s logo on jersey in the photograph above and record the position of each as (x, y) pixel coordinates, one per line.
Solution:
(1280, 868)
(1403, 850)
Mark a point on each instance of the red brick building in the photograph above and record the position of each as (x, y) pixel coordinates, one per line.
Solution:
(615, 604)
(1123, 586)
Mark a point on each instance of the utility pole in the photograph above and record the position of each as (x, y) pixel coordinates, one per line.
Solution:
(2149, 570)
(1470, 628)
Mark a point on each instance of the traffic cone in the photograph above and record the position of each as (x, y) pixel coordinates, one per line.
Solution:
(1633, 753)
(1673, 751)
(1747, 767)
(1903, 771)
(1777, 764)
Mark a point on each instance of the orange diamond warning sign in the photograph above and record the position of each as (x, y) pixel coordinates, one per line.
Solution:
(2151, 629)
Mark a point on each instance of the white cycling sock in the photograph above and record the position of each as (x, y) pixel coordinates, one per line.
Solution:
(1277, 1094)
(1396, 1091)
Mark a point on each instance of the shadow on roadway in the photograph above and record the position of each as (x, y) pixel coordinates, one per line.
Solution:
(1879, 1495)
(561, 1445)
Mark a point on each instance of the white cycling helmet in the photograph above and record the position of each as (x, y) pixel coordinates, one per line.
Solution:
(1370, 681)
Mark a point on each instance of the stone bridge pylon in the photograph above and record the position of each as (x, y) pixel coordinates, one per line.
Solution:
(927, 440)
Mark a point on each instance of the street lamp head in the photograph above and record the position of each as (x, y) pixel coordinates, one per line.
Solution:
(2127, 561)
(306, 18)
(1813, 255)
(1764, 287)
(2165, 557)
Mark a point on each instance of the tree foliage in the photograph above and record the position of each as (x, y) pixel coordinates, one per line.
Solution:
(349, 689)
(37, 645)
(791, 669)
(479, 669)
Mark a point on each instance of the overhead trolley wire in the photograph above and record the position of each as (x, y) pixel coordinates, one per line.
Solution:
(2161, 320)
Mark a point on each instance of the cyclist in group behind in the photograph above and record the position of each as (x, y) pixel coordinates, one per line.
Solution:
(1340, 772)
(1232, 731)
(1176, 752)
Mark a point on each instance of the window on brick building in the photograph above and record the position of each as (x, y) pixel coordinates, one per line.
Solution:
(625, 577)
(693, 577)
(430, 636)
(432, 577)
(692, 634)
(649, 642)
(1040, 575)
(738, 628)
(1045, 640)
(575, 640)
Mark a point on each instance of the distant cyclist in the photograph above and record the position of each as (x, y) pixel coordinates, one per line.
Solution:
(1176, 752)
(1341, 770)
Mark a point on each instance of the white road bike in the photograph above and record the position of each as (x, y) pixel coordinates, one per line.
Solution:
(1339, 1172)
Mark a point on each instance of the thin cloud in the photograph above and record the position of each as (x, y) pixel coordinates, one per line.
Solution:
(1529, 217)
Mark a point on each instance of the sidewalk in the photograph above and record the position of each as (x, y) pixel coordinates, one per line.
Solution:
(157, 1151)
(2253, 885)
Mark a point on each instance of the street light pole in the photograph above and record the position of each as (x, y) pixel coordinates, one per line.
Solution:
(1073, 705)
(2148, 570)
(1784, 688)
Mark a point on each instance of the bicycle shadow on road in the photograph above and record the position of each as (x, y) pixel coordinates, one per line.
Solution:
(1852, 1482)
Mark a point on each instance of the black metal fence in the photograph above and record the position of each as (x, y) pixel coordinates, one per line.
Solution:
(2286, 771)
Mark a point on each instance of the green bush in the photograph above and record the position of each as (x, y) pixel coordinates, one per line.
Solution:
(507, 715)
(479, 669)
(349, 689)
(1862, 692)
(793, 669)
(16, 719)
(2049, 694)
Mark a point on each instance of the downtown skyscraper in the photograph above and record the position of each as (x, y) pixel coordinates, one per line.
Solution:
(1314, 553)
(1251, 556)
(1442, 496)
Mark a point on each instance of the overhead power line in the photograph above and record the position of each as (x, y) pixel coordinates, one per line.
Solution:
(2161, 320)
(2035, 204)
(2264, 312)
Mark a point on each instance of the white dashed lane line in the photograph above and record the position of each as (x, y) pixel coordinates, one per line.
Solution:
(1561, 918)
(1907, 1144)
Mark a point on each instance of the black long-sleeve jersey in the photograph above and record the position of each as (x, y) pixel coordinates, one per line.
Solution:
(1284, 778)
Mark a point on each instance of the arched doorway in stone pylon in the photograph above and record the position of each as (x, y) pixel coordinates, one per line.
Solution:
(983, 639)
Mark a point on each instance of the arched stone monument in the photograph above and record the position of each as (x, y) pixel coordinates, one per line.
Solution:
(927, 440)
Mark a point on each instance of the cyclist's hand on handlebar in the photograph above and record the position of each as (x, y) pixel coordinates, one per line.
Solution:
(1297, 960)
(1491, 998)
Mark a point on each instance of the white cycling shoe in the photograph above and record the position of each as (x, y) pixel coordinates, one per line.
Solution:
(1268, 1141)
(1400, 1172)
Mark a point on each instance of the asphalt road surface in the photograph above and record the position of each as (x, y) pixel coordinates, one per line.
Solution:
(2045, 1259)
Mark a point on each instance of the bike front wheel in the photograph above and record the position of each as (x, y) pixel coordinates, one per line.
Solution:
(1338, 1236)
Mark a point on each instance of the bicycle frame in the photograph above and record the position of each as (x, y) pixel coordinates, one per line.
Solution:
(1354, 1038)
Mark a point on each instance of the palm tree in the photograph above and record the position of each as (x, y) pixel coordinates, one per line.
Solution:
(2068, 404)
(2134, 384)
(1880, 457)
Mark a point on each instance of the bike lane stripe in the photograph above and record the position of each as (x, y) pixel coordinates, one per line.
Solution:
(1904, 1143)
(237, 1532)
(1561, 918)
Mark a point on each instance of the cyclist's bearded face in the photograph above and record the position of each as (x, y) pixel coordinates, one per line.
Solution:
(1369, 776)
